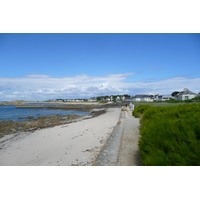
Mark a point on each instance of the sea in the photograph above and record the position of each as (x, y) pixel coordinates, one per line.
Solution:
(8, 112)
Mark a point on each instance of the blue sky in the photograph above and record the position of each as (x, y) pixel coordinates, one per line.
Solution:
(68, 65)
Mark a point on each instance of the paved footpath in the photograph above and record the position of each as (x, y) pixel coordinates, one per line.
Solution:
(121, 148)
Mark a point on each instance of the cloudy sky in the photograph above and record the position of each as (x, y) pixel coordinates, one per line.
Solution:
(47, 66)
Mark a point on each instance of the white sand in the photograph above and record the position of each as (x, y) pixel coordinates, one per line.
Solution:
(77, 143)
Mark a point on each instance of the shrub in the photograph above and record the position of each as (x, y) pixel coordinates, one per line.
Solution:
(174, 101)
(139, 110)
(170, 135)
(196, 98)
(188, 101)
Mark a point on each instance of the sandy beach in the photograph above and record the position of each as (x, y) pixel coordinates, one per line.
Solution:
(72, 144)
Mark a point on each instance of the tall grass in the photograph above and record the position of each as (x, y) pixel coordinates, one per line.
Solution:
(170, 135)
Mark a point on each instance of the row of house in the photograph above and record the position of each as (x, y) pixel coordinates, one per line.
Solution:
(67, 100)
(183, 95)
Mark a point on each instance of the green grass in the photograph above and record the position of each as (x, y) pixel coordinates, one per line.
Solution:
(170, 135)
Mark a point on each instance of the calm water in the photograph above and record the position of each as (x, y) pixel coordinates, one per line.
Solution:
(12, 113)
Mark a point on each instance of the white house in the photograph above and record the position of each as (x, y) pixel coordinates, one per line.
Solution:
(142, 97)
(108, 99)
(185, 95)
(164, 97)
(128, 99)
(92, 99)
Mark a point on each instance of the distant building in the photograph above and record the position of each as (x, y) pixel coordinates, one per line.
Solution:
(185, 95)
(164, 97)
(142, 97)
(198, 95)
(155, 98)
(92, 99)
(118, 98)
(108, 99)
(128, 99)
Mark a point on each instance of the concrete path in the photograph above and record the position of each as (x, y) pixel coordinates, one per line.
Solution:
(121, 148)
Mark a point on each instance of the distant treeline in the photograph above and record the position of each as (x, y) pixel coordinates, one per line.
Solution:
(170, 135)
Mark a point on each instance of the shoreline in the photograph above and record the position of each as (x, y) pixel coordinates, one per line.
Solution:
(70, 106)
(12, 127)
(75, 143)
(9, 127)
(23, 102)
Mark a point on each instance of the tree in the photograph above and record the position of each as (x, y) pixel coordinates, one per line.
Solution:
(126, 95)
(174, 93)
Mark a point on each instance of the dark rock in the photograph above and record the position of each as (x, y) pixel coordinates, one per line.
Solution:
(29, 117)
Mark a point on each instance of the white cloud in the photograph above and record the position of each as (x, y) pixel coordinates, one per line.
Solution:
(41, 87)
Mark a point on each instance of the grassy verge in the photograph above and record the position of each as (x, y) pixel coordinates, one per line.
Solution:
(170, 135)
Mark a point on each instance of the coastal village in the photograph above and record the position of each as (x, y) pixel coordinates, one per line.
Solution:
(186, 94)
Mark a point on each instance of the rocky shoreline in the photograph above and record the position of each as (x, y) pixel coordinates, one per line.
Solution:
(12, 127)
(70, 106)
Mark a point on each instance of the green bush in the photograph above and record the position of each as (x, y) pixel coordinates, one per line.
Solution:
(170, 135)
(188, 101)
(174, 101)
(139, 110)
(196, 98)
